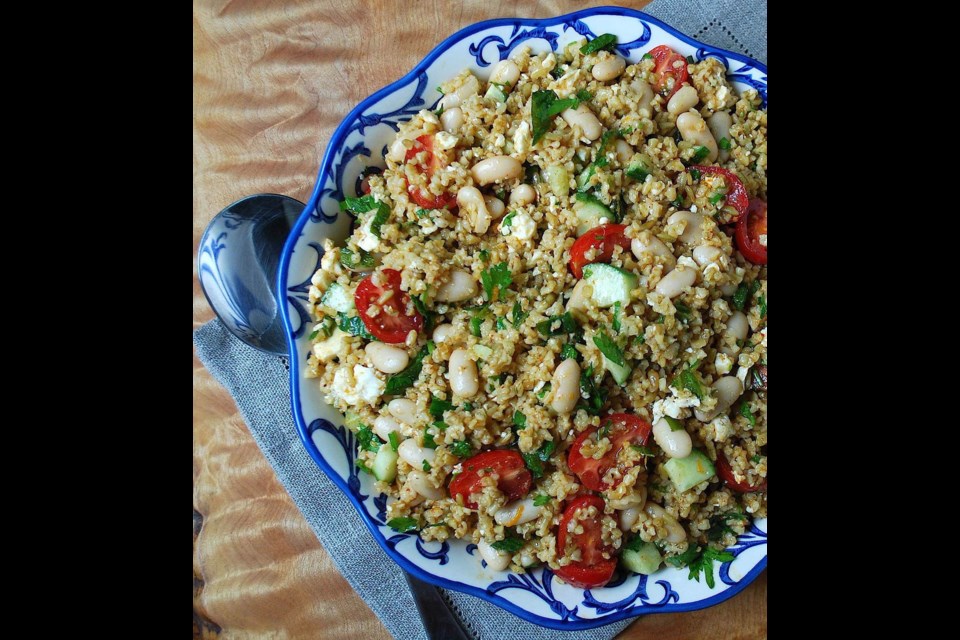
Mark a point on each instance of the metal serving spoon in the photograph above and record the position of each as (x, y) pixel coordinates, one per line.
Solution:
(238, 261)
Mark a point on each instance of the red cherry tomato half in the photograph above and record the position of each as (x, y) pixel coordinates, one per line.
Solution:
(592, 570)
(624, 430)
(603, 238)
(391, 324)
(435, 161)
(749, 229)
(726, 474)
(665, 57)
(736, 193)
(514, 481)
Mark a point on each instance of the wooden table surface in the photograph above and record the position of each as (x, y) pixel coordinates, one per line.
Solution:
(271, 82)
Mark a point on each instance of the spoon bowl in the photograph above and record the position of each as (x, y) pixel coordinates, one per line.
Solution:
(237, 267)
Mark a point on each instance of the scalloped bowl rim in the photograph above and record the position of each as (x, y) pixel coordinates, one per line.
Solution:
(336, 141)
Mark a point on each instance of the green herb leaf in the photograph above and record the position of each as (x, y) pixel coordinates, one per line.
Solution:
(519, 420)
(762, 301)
(544, 107)
(609, 348)
(541, 500)
(567, 325)
(646, 452)
(748, 414)
(428, 440)
(557, 72)
(394, 440)
(353, 325)
(518, 315)
(426, 465)
(382, 215)
(350, 260)
(699, 153)
(634, 543)
(595, 397)
(683, 312)
(684, 558)
(313, 334)
(508, 545)
(362, 466)
(508, 219)
(468, 406)
(544, 390)
(583, 95)
(569, 352)
(423, 213)
(719, 524)
(535, 459)
(617, 308)
(496, 278)
(687, 379)
(437, 406)
(717, 197)
(484, 255)
(460, 448)
(402, 525)
(741, 296)
(606, 41)
(690, 60)
(476, 320)
(695, 174)
(724, 143)
(675, 425)
(646, 56)
(367, 439)
(359, 205)
(756, 458)
(399, 382)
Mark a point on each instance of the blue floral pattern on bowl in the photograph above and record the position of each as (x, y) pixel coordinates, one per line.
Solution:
(361, 141)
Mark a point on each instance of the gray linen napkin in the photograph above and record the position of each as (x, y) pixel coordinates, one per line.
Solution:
(259, 383)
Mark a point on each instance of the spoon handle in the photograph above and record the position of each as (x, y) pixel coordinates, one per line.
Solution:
(437, 618)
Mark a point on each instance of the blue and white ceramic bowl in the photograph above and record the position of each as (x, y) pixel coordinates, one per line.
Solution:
(360, 141)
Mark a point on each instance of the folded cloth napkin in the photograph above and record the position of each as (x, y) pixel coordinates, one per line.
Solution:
(259, 383)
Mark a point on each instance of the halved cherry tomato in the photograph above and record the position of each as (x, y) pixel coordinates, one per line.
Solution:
(665, 57)
(435, 161)
(736, 193)
(604, 238)
(592, 570)
(624, 429)
(726, 474)
(749, 229)
(514, 481)
(391, 324)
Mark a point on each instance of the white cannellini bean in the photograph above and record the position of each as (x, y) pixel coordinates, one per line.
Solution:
(728, 289)
(494, 205)
(584, 118)
(644, 97)
(442, 332)
(636, 498)
(461, 286)
(581, 293)
(727, 389)
(524, 194)
(464, 380)
(566, 386)
(719, 124)
(496, 169)
(629, 517)
(676, 444)
(693, 231)
(683, 100)
(420, 482)
(505, 72)
(387, 358)
(647, 242)
(705, 254)
(674, 283)
(414, 455)
(383, 426)
(496, 560)
(452, 120)
(517, 512)
(470, 200)
(675, 533)
(455, 98)
(609, 69)
(624, 151)
(694, 130)
(737, 327)
(403, 410)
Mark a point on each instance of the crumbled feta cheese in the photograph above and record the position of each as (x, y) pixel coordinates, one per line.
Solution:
(523, 226)
(343, 386)
(722, 428)
(368, 241)
(671, 407)
(429, 116)
(723, 363)
(369, 386)
(331, 347)
(445, 140)
(763, 239)
(722, 92)
(522, 138)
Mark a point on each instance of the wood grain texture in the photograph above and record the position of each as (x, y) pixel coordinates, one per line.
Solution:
(272, 80)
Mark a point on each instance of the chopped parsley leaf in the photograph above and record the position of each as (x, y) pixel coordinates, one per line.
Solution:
(569, 352)
(748, 414)
(617, 308)
(367, 439)
(544, 107)
(695, 174)
(496, 279)
(687, 379)
(675, 425)
(519, 420)
(508, 219)
(724, 144)
(518, 315)
(609, 348)
(508, 545)
(399, 382)
(541, 500)
(535, 459)
(438, 407)
(605, 41)
(460, 448)
(426, 466)
(699, 153)
(402, 525)
(394, 440)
